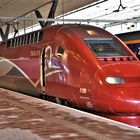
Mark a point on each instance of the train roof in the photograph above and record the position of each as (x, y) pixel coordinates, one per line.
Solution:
(77, 29)
(80, 30)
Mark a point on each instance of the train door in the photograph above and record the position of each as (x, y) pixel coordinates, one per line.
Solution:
(85, 94)
(80, 80)
(42, 71)
(46, 65)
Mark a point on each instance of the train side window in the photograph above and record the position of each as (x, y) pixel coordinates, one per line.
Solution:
(60, 51)
(24, 40)
(31, 38)
(27, 39)
(35, 37)
(17, 41)
(21, 40)
(9, 43)
(12, 43)
(40, 36)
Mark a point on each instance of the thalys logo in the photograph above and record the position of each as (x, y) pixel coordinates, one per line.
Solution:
(52, 65)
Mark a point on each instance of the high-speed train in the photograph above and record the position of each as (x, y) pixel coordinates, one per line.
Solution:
(82, 65)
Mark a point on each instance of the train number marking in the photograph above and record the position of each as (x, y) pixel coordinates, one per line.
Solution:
(35, 53)
(83, 90)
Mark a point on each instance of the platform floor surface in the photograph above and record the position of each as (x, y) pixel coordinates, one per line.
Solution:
(27, 118)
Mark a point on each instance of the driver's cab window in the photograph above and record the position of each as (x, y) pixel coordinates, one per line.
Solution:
(60, 51)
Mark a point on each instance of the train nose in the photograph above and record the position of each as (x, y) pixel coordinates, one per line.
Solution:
(124, 88)
(125, 100)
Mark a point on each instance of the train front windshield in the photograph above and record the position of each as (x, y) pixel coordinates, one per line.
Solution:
(105, 47)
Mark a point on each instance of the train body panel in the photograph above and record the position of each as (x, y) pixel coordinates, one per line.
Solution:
(120, 95)
(84, 65)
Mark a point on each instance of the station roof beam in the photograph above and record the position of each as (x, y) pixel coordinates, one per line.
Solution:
(50, 15)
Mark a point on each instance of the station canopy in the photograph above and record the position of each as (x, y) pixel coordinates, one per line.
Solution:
(10, 10)
(103, 13)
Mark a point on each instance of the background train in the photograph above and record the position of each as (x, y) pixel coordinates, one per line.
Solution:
(83, 65)
(132, 40)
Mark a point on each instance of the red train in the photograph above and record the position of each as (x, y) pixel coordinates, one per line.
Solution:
(81, 64)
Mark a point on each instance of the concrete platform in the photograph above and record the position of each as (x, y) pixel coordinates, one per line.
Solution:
(26, 118)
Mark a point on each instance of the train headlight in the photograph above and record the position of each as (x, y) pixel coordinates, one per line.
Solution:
(115, 80)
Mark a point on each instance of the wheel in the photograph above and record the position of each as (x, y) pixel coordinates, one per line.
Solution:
(59, 101)
(62, 101)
